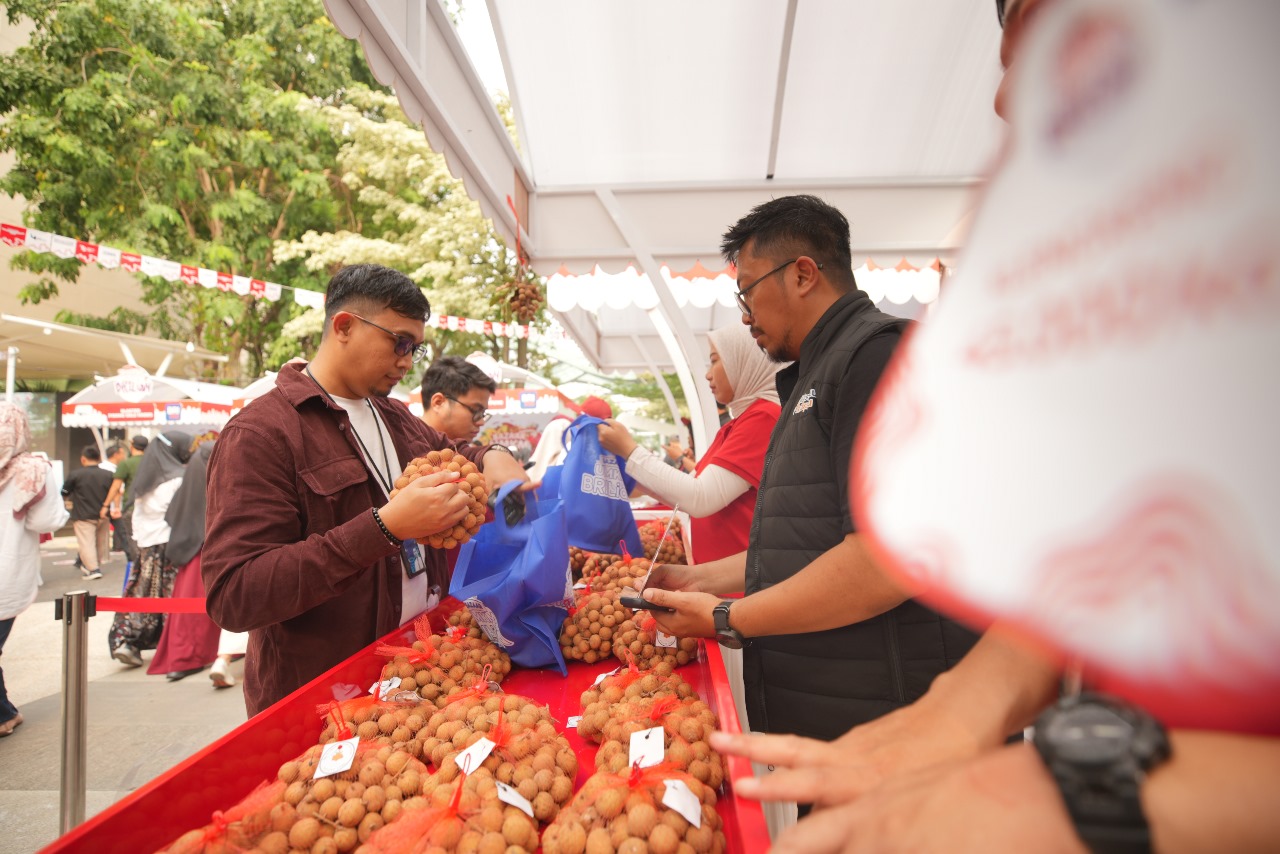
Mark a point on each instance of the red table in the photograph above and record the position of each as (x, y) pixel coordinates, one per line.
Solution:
(217, 777)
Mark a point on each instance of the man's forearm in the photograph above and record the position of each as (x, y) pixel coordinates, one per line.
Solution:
(997, 689)
(841, 586)
(1217, 792)
(724, 577)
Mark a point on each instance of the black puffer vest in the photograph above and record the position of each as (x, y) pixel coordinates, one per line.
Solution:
(822, 684)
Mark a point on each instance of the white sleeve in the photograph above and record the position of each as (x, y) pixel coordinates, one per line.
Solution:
(697, 495)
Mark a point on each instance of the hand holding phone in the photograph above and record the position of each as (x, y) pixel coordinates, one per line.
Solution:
(637, 603)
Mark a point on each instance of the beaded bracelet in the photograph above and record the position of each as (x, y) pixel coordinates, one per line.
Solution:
(382, 525)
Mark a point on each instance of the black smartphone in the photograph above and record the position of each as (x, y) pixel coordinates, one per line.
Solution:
(512, 506)
(636, 603)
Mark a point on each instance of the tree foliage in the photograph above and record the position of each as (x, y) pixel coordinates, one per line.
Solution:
(247, 137)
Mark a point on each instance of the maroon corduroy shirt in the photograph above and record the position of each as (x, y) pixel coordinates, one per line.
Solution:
(292, 553)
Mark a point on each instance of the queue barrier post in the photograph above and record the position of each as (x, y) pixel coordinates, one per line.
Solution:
(74, 610)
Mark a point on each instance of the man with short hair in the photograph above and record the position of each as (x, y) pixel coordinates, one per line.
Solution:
(86, 488)
(304, 549)
(115, 455)
(123, 476)
(455, 395)
(830, 641)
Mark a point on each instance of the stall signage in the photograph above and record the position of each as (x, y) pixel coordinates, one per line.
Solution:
(132, 384)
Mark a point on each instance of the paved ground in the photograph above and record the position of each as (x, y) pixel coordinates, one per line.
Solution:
(140, 725)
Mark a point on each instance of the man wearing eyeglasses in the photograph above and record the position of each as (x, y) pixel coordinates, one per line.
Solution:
(455, 397)
(830, 642)
(304, 548)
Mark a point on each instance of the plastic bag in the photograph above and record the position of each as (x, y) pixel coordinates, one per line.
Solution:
(515, 581)
(596, 490)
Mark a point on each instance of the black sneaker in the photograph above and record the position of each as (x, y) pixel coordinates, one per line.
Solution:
(93, 576)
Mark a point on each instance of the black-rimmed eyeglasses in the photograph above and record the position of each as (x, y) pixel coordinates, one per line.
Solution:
(404, 346)
(741, 295)
(478, 413)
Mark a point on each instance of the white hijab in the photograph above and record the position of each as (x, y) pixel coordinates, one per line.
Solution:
(749, 370)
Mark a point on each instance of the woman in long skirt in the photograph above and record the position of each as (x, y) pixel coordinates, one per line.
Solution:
(157, 481)
(189, 642)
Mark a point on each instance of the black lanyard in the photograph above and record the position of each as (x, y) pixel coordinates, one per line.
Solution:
(384, 482)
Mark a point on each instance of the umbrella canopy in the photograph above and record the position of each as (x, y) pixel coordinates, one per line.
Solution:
(134, 398)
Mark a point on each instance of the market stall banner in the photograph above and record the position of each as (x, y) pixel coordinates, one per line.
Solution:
(1081, 441)
(109, 257)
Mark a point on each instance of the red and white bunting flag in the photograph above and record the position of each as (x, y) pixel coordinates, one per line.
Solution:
(108, 257)
(240, 284)
(189, 275)
(224, 281)
(309, 299)
(150, 265)
(208, 278)
(130, 262)
(488, 328)
(63, 247)
(170, 271)
(38, 241)
(257, 287)
(14, 235)
(273, 291)
(86, 253)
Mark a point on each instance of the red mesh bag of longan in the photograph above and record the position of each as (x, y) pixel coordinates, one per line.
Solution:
(619, 573)
(469, 481)
(631, 683)
(465, 817)
(589, 627)
(663, 541)
(641, 639)
(234, 829)
(625, 813)
(686, 724)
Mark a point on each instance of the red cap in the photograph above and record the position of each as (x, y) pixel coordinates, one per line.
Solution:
(597, 407)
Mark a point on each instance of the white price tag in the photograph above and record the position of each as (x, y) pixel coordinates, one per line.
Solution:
(647, 747)
(681, 798)
(508, 795)
(604, 676)
(581, 585)
(337, 756)
(384, 688)
(665, 640)
(574, 721)
(471, 758)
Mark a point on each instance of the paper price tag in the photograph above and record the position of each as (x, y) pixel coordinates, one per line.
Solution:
(471, 758)
(681, 798)
(647, 747)
(574, 721)
(508, 795)
(384, 688)
(665, 640)
(604, 676)
(337, 756)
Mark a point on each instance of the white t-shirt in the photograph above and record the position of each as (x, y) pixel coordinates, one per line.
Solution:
(149, 526)
(380, 456)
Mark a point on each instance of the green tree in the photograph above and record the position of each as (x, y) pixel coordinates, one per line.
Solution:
(173, 128)
(402, 208)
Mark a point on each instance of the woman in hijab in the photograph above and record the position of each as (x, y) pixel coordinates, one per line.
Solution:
(30, 505)
(157, 481)
(720, 495)
(188, 642)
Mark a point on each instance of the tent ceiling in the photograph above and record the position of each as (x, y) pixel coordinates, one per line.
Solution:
(647, 128)
(79, 352)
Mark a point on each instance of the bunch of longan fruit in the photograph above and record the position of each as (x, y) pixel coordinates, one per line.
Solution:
(588, 632)
(625, 814)
(632, 683)
(618, 573)
(658, 550)
(637, 640)
(687, 726)
(470, 481)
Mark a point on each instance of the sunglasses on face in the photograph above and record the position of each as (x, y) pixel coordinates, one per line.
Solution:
(404, 346)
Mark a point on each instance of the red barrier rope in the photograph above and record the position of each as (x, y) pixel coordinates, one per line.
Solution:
(149, 605)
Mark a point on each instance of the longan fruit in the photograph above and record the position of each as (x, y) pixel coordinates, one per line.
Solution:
(304, 833)
(370, 823)
(663, 839)
(350, 812)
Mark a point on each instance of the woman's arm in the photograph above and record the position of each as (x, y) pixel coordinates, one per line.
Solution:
(697, 495)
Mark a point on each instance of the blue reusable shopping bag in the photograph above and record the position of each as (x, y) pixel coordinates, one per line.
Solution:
(516, 581)
(595, 490)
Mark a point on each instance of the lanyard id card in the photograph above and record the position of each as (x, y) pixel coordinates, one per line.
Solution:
(411, 556)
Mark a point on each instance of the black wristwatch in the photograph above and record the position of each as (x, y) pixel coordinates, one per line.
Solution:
(1099, 750)
(726, 635)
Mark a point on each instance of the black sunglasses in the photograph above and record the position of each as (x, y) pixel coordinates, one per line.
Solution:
(404, 346)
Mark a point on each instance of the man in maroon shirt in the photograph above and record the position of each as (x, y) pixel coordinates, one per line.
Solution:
(303, 549)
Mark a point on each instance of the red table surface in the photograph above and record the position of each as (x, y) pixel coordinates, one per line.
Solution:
(217, 777)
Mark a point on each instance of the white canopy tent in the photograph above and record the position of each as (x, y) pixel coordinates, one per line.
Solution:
(646, 128)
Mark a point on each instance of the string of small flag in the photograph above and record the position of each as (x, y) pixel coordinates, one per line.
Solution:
(110, 258)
